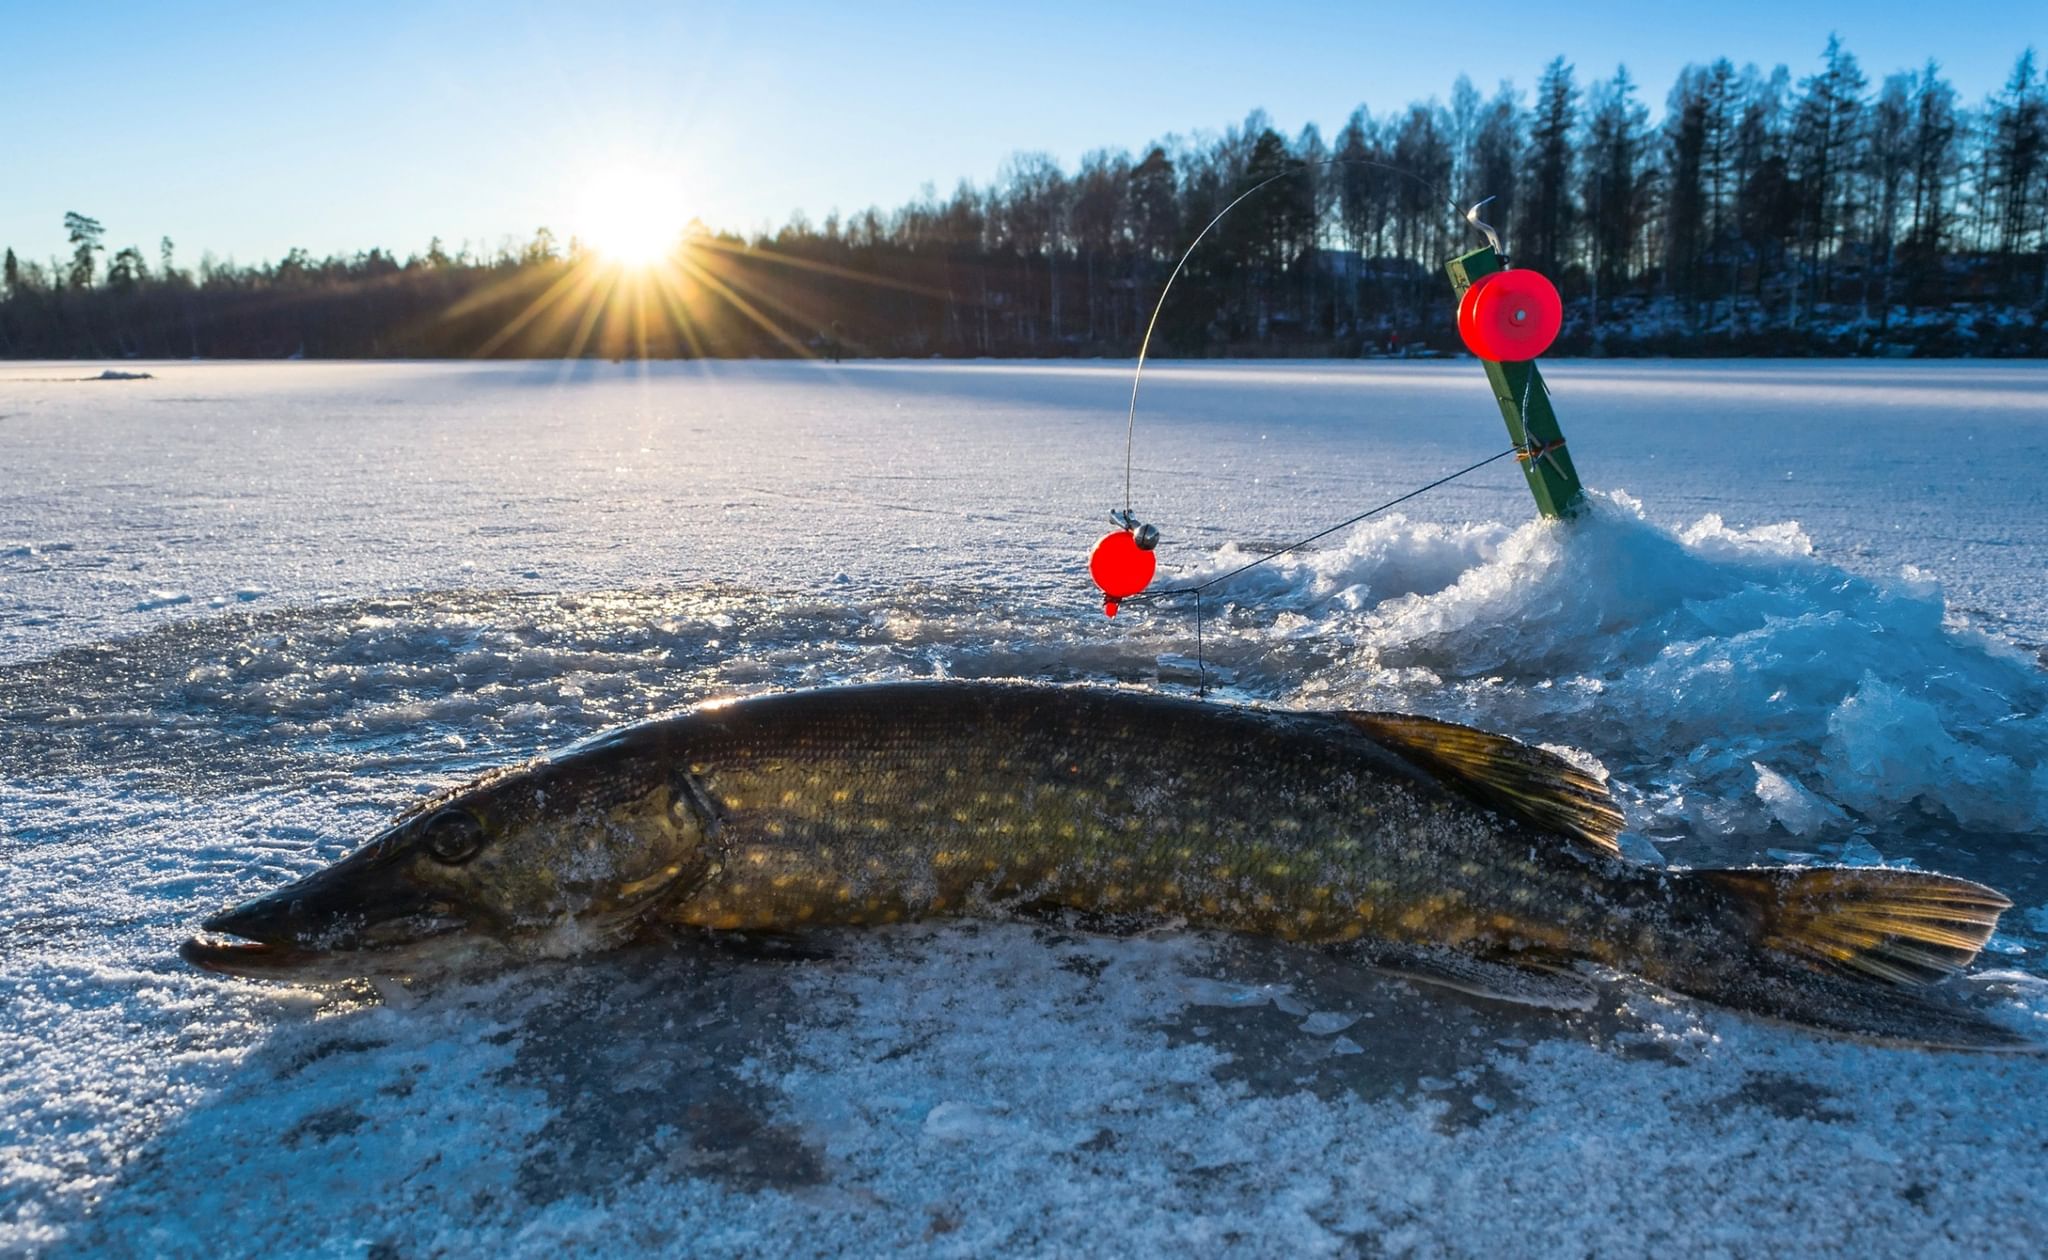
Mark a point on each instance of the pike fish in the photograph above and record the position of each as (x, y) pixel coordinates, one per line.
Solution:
(1436, 850)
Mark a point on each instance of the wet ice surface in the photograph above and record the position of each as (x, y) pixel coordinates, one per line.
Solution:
(246, 611)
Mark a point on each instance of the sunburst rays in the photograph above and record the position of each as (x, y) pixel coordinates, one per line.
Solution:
(703, 297)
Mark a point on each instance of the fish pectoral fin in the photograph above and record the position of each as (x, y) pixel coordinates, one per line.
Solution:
(1528, 982)
(1538, 787)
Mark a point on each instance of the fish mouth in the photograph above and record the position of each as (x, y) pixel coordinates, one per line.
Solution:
(229, 956)
(323, 927)
(406, 951)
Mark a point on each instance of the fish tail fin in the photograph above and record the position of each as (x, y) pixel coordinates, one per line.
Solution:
(1896, 927)
(1851, 949)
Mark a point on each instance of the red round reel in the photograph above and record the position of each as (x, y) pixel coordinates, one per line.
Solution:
(1510, 316)
(1120, 567)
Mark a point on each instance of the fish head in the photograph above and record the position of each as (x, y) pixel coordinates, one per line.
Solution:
(556, 857)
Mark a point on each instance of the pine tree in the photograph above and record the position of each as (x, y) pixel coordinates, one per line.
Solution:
(1826, 137)
(1313, 157)
(1359, 207)
(541, 250)
(1262, 238)
(1101, 218)
(1936, 164)
(1547, 231)
(1617, 181)
(1465, 112)
(1155, 214)
(1766, 196)
(1721, 90)
(1889, 162)
(1497, 156)
(1422, 148)
(127, 270)
(84, 235)
(1035, 197)
(1685, 195)
(2016, 164)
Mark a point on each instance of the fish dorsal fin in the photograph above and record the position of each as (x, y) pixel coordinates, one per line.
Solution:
(1540, 788)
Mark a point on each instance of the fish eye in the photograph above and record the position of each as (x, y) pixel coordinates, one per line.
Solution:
(453, 836)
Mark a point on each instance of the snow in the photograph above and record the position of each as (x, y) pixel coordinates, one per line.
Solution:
(247, 610)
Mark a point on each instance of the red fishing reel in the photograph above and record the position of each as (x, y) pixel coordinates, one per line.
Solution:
(1510, 316)
(1123, 563)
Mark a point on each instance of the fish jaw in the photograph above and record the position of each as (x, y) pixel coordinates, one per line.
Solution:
(360, 918)
(289, 964)
(355, 918)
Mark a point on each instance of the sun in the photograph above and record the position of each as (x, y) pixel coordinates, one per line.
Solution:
(632, 216)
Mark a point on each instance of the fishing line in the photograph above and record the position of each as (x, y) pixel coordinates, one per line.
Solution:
(1196, 589)
(1298, 544)
(1128, 518)
(1145, 345)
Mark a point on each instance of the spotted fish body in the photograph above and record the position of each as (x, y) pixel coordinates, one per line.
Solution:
(880, 804)
(1455, 851)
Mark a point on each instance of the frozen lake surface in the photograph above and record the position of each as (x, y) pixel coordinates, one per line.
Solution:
(246, 611)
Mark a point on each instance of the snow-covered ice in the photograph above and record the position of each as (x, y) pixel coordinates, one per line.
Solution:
(247, 610)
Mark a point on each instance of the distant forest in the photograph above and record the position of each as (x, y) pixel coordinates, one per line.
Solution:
(1763, 215)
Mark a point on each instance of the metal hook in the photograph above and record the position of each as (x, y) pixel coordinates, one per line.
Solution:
(1492, 237)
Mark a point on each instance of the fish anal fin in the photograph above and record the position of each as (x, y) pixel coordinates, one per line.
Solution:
(1530, 983)
(1537, 787)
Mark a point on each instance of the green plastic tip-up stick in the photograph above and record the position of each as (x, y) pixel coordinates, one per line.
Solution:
(1525, 405)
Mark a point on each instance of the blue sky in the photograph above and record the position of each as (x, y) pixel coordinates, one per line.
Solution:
(246, 129)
